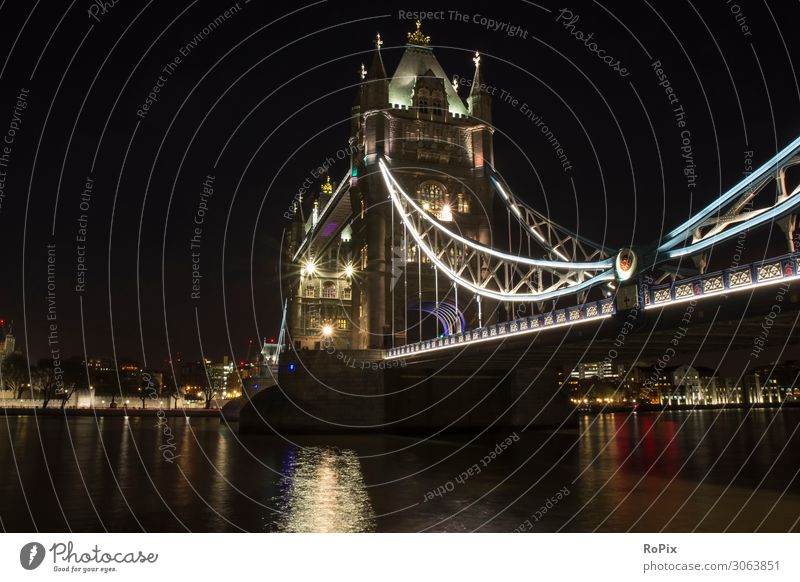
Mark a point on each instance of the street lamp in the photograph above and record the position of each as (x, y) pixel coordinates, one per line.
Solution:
(327, 330)
(348, 270)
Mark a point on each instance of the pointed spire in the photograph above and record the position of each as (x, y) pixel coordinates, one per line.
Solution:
(377, 70)
(376, 86)
(478, 86)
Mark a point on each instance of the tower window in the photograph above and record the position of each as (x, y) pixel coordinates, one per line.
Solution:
(463, 203)
(329, 290)
(432, 195)
(311, 291)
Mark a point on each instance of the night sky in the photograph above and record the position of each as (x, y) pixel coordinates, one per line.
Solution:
(264, 98)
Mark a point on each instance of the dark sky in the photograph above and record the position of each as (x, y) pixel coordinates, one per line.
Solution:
(268, 94)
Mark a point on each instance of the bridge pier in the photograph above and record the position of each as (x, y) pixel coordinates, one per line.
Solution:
(357, 391)
(542, 400)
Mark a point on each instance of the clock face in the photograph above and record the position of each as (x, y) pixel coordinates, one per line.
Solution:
(625, 265)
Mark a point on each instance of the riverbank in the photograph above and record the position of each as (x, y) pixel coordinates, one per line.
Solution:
(118, 412)
(610, 408)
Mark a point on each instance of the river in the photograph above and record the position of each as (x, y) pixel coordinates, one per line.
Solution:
(709, 470)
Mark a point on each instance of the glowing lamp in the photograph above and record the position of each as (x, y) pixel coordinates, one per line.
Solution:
(446, 215)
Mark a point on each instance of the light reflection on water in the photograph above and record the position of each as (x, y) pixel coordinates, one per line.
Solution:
(707, 470)
(323, 491)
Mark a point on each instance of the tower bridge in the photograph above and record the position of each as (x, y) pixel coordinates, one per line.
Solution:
(398, 267)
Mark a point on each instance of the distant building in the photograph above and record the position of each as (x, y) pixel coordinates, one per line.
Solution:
(773, 383)
(9, 345)
(602, 370)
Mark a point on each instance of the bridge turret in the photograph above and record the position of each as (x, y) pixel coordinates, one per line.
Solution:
(374, 100)
(480, 108)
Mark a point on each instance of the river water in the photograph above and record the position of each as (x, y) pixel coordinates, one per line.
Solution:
(706, 470)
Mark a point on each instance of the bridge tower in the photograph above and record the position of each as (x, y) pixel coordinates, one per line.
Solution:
(438, 144)
(353, 275)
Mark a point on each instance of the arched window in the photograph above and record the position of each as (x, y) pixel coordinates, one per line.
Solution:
(311, 290)
(437, 99)
(347, 293)
(432, 195)
(423, 101)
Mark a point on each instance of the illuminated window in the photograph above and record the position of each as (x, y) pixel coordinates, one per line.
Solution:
(347, 293)
(311, 291)
(433, 196)
(364, 257)
(463, 203)
(329, 290)
(341, 323)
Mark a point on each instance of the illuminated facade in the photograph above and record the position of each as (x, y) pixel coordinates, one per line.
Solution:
(354, 278)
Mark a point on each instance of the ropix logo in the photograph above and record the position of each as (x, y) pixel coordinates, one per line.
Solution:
(31, 555)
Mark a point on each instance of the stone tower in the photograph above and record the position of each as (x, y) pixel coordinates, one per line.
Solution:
(437, 145)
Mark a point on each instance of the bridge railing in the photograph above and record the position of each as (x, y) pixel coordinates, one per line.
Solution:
(734, 279)
(590, 311)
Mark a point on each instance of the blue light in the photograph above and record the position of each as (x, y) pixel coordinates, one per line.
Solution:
(291, 367)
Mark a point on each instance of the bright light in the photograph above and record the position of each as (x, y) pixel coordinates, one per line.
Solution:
(327, 330)
(446, 215)
(348, 270)
(310, 267)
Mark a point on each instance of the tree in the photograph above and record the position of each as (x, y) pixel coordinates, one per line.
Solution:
(45, 378)
(73, 378)
(210, 390)
(14, 373)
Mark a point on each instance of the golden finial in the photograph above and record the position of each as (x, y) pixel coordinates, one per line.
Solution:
(477, 58)
(378, 41)
(417, 37)
(327, 187)
(363, 72)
